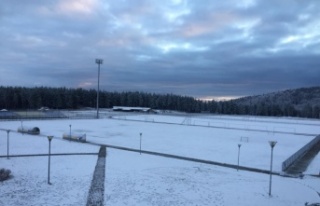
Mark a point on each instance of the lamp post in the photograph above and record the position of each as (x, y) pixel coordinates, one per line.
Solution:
(49, 139)
(272, 144)
(8, 131)
(140, 141)
(239, 145)
(99, 62)
(70, 131)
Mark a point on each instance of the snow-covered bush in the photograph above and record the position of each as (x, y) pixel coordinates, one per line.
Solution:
(4, 174)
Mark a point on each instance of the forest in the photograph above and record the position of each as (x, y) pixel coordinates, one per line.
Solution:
(22, 98)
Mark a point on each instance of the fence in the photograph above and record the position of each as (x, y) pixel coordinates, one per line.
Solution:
(48, 114)
(300, 153)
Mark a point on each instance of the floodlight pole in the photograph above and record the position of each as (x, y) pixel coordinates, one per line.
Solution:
(8, 131)
(49, 139)
(272, 144)
(140, 141)
(99, 62)
(239, 145)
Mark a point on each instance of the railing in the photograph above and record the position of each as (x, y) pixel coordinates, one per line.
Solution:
(299, 154)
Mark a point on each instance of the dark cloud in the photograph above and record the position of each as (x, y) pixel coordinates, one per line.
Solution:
(203, 49)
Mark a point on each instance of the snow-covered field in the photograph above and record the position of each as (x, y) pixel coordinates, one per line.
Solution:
(134, 179)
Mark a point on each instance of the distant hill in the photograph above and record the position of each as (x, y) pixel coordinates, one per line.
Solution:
(303, 102)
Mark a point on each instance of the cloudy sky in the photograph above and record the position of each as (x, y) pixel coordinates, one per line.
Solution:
(200, 48)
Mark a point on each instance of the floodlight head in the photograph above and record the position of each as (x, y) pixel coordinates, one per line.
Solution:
(239, 145)
(99, 61)
(50, 138)
(272, 143)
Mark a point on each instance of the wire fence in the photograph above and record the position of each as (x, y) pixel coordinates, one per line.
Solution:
(46, 114)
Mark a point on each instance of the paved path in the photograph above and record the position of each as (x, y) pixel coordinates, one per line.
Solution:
(96, 192)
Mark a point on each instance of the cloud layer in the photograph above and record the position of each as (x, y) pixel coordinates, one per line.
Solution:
(202, 48)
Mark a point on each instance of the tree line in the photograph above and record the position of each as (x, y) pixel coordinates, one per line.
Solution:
(68, 98)
(15, 98)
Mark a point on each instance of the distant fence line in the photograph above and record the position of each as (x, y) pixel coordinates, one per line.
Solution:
(300, 153)
(47, 114)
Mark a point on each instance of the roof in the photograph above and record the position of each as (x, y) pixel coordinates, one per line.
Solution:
(144, 109)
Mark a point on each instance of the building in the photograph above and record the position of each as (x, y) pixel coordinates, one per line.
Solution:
(133, 109)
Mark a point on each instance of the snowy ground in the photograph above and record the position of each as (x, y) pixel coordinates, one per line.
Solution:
(134, 179)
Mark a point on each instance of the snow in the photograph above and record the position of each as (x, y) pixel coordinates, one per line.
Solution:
(70, 176)
(134, 179)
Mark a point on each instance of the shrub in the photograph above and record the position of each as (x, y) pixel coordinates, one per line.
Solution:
(4, 174)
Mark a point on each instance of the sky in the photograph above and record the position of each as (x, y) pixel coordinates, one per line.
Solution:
(207, 49)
